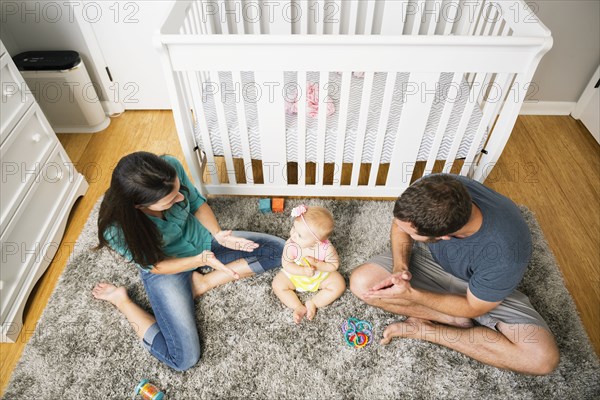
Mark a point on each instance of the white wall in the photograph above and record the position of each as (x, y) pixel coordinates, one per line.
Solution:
(28, 25)
(566, 69)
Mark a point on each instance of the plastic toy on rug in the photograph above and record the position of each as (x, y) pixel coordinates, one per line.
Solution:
(148, 391)
(357, 333)
(277, 205)
(264, 205)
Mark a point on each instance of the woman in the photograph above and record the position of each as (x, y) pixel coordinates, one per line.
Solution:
(155, 218)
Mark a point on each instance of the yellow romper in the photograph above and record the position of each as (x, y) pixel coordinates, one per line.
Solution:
(304, 283)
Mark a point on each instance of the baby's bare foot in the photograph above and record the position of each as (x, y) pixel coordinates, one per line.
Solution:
(199, 284)
(311, 310)
(111, 293)
(299, 313)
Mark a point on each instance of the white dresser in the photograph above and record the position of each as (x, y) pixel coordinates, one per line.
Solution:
(38, 189)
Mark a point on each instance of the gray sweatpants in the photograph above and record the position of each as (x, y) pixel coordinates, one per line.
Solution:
(428, 275)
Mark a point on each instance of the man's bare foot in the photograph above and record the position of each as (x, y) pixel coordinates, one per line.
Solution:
(410, 328)
(299, 313)
(311, 310)
(111, 293)
(199, 284)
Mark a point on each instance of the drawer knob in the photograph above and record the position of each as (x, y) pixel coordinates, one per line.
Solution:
(36, 138)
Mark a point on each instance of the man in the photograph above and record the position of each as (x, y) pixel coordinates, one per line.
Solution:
(458, 251)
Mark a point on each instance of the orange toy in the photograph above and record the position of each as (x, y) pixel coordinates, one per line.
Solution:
(277, 204)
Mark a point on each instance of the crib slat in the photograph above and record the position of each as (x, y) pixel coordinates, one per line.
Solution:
(498, 25)
(333, 15)
(252, 16)
(301, 127)
(489, 110)
(199, 114)
(361, 131)
(478, 19)
(317, 18)
(352, 10)
(443, 124)
(186, 127)
(238, 17)
(321, 127)
(227, 27)
(190, 16)
(274, 19)
(486, 22)
(370, 5)
(411, 128)
(198, 18)
(303, 19)
(342, 123)
(186, 27)
(418, 16)
(271, 125)
(243, 129)
(504, 93)
(452, 7)
(207, 20)
(501, 132)
(394, 17)
(493, 23)
(224, 131)
(464, 120)
(435, 17)
(388, 95)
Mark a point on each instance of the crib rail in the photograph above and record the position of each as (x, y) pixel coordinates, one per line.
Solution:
(356, 17)
(230, 82)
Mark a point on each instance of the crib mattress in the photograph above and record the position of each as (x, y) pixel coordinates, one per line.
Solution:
(459, 97)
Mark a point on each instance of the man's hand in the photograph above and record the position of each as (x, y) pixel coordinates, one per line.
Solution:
(394, 286)
(226, 239)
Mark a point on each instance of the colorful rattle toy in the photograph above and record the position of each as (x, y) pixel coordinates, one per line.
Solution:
(357, 333)
(148, 391)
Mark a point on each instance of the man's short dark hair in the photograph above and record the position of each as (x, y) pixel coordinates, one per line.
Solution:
(436, 205)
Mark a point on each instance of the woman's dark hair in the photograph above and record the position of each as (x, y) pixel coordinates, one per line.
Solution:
(436, 205)
(139, 179)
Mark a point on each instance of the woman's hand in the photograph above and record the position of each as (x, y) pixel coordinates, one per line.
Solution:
(226, 239)
(208, 258)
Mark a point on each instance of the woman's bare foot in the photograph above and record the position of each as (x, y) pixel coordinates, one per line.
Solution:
(411, 328)
(311, 310)
(111, 293)
(299, 313)
(199, 284)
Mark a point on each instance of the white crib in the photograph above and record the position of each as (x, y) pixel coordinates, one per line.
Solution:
(406, 88)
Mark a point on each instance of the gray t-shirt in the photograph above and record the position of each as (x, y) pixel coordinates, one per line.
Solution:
(494, 259)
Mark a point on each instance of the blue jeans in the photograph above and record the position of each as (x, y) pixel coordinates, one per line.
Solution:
(174, 339)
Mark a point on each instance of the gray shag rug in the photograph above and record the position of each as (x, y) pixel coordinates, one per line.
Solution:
(84, 349)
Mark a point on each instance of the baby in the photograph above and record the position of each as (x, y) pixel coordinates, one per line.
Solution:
(309, 263)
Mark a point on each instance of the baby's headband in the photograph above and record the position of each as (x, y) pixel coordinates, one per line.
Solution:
(299, 212)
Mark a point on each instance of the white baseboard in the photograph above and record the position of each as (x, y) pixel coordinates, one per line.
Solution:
(547, 108)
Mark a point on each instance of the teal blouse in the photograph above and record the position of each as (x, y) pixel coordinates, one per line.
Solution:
(182, 234)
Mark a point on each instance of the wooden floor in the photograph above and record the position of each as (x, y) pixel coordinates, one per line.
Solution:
(551, 165)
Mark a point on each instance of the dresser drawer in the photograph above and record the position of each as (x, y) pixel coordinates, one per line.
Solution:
(15, 96)
(24, 243)
(23, 155)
